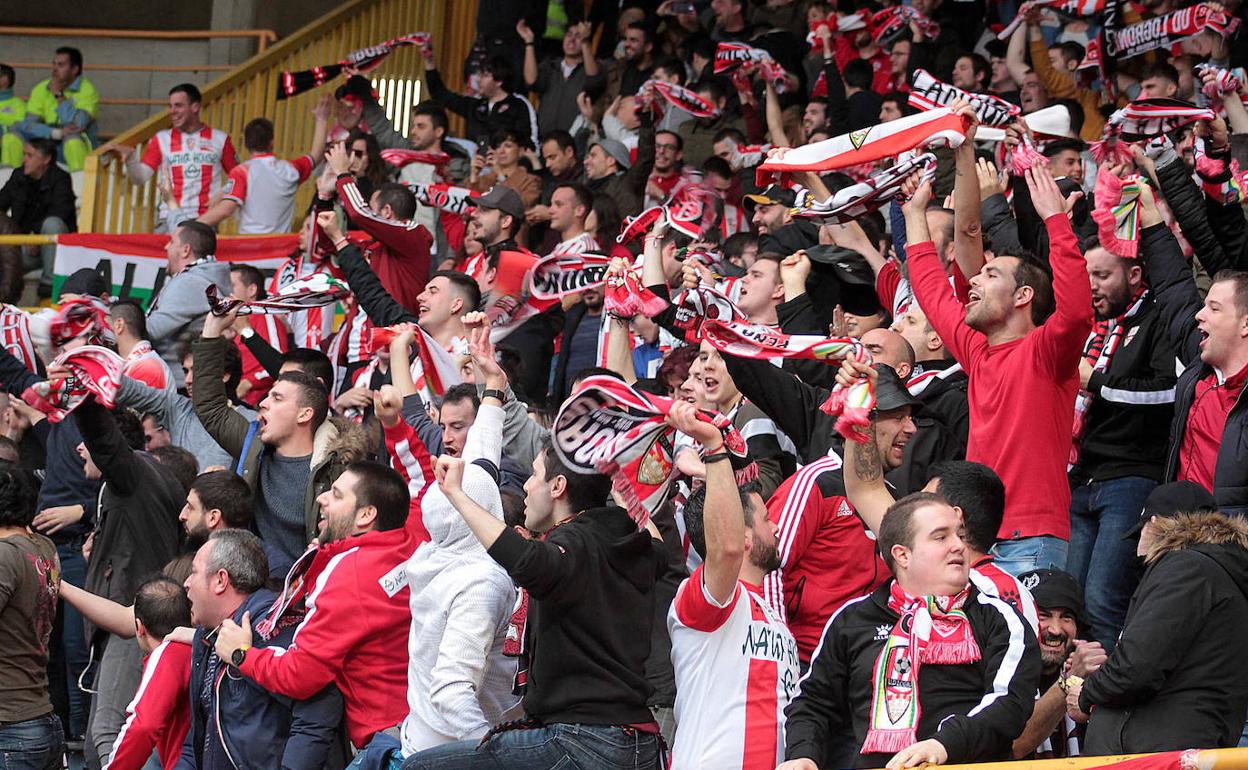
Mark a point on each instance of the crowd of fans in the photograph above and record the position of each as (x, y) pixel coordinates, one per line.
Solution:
(983, 414)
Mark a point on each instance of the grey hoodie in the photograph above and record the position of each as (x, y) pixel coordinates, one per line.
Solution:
(178, 312)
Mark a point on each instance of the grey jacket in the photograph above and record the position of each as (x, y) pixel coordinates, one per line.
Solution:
(178, 312)
(177, 414)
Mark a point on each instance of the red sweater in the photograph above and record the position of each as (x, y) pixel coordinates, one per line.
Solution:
(160, 714)
(1021, 393)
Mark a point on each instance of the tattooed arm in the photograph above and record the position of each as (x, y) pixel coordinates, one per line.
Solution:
(864, 479)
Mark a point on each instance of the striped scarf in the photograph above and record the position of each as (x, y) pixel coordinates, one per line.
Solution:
(293, 83)
(1099, 351)
(939, 632)
(1117, 214)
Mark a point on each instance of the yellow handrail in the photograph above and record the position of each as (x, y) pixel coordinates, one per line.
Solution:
(1196, 759)
(110, 203)
(263, 36)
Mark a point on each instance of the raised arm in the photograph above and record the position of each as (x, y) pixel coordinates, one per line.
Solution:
(118, 463)
(1067, 329)
(378, 304)
(968, 233)
(864, 471)
(226, 426)
(107, 614)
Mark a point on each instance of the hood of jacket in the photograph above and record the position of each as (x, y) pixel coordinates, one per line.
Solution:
(1221, 537)
(211, 271)
(628, 550)
(339, 440)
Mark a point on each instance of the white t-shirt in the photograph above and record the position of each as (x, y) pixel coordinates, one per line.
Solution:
(736, 670)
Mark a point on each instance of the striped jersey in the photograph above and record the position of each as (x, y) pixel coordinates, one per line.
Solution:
(994, 581)
(194, 162)
(736, 669)
(264, 186)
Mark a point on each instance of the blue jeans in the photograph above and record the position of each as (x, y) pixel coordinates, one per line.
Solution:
(74, 651)
(36, 744)
(1028, 553)
(1102, 562)
(563, 746)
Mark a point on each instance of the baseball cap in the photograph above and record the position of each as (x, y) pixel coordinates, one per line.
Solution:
(1171, 499)
(502, 198)
(86, 280)
(774, 194)
(1054, 588)
(890, 391)
(616, 149)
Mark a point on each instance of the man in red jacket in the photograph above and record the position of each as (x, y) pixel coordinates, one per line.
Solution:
(355, 631)
(1020, 339)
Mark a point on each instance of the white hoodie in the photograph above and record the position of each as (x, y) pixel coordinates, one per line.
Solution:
(458, 680)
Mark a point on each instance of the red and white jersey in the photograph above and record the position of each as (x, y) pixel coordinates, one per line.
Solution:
(265, 187)
(160, 714)
(15, 336)
(272, 330)
(194, 162)
(577, 244)
(994, 581)
(146, 366)
(736, 670)
(313, 326)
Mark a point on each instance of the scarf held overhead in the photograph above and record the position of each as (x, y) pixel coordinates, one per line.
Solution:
(928, 93)
(293, 83)
(858, 200)
(313, 291)
(94, 371)
(1166, 31)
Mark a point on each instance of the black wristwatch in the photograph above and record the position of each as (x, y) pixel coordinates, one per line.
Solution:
(501, 395)
(238, 656)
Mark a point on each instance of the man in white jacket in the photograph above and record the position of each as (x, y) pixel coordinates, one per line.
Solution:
(459, 681)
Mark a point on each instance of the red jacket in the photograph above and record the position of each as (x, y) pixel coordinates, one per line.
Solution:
(160, 714)
(400, 253)
(827, 556)
(355, 631)
(1021, 393)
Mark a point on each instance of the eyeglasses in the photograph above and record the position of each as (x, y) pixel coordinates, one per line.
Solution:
(671, 147)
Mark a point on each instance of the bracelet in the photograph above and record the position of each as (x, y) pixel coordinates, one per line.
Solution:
(530, 45)
(715, 458)
(341, 244)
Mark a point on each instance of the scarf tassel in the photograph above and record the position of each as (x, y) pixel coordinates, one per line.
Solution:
(889, 741)
(852, 407)
(951, 652)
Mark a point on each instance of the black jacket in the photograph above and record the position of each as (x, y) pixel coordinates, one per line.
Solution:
(137, 527)
(258, 729)
(835, 695)
(1133, 402)
(1177, 679)
(512, 112)
(30, 201)
(591, 587)
(944, 397)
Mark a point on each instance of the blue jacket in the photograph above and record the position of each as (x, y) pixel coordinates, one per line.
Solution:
(259, 730)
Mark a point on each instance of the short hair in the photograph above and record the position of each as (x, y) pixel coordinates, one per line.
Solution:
(695, 510)
(17, 497)
(897, 97)
(716, 85)
(464, 391)
(129, 425)
(192, 93)
(680, 143)
(736, 244)
(400, 199)
(250, 275)
(560, 137)
(199, 236)
(8, 72)
(897, 527)
(979, 492)
(716, 165)
(313, 362)
(1070, 50)
(227, 492)
(162, 605)
(1161, 69)
(1057, 146)
(672, 65)
(312, 393)
(1075, 110)
(1034, 273)
(75, 56)
(44, 146)
(258, 135)
(130, 311)
(579, 191)
(179, 461)
(858, 73)
(508, 135)
(593, 371)
(463, 284)
(584, 490)
(381, 487)
(500, 68)
(436, 115)
(241, 554)
(979, 65)
(946, 222)
(1239, 283)
(728, 133)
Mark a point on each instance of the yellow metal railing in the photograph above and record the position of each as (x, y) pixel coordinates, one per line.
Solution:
(111, 204)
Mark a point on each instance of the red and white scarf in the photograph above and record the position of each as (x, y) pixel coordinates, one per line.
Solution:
(1099, 351)
(292, 83)
(934, 128)
(1117, 214)
(561, 275)
(1147, 118)
(852, 406)
(400, 157)
(94, 370)
(929, 629)
(1163, 32)
(313, 291)
(850, 203)
(608, 427)
(1076, 8)
(511, 302)
(676, 96)
(928, 93)
(741, 58)
(85, 316)
(444, 197)
(624, 296)
(889, 24)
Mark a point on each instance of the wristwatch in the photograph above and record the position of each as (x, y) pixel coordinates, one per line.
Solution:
(501, 395)
(238, 656)
(1069, 682)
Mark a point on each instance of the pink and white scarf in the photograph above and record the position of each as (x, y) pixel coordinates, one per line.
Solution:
(1117, 214)
(94, 370)
(858, 200)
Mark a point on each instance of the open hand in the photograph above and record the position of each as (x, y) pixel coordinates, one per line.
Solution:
(1045, 195)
